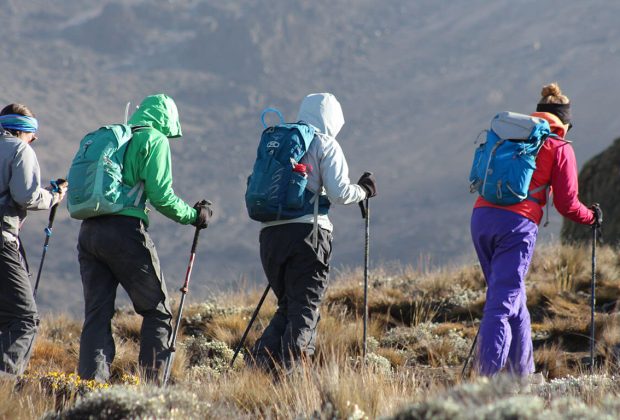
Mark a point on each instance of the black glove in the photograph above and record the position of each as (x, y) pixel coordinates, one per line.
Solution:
(59, 189)
(369, 184)
(204, 214)
(62, 183)
(598, 215)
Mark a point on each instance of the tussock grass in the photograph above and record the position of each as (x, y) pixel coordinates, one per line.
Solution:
(27, 403)
(422, 324)
(127, 326)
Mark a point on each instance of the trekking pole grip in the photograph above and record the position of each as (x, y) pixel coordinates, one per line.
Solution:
(364, 208)
(52, 215)
(195, 242)
(55, 189)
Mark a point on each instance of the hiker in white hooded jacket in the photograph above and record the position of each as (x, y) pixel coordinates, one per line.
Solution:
(295, 261)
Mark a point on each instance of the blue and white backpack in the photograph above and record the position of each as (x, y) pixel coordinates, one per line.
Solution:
(275, 191)
(504, 164)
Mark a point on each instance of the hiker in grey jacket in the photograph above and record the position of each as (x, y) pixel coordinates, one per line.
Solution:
(20, 191)
(295, 256)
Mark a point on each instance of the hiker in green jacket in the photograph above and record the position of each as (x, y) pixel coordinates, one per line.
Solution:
(117, 249)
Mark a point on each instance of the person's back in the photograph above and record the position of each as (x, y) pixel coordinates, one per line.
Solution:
(117, 249)
(295, 257)
(10, 147)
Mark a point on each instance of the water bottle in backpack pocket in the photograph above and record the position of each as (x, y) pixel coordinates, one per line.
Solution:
(295, 194)
(503, 165)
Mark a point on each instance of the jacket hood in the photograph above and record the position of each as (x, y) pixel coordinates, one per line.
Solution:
(323, 111)
(160, 112)
(556, 124)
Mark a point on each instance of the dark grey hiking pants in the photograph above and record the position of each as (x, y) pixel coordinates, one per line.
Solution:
(298, 275)
(18, 311)
(115, 250)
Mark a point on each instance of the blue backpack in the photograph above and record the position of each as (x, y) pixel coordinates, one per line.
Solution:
(504, 164)
(274, 190)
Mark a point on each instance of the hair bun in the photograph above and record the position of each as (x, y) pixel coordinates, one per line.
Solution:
(552, 89)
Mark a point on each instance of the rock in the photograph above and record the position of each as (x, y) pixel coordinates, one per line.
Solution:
(598, 183)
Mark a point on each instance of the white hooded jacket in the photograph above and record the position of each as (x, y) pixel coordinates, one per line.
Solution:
(330, 171)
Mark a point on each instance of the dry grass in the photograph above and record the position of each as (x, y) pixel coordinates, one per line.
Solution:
(127, 325)
(29, 403)
(422, 324)
(337, 385)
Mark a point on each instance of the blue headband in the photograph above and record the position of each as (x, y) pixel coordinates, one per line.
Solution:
(19, 123)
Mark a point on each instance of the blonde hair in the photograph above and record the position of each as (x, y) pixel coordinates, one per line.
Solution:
(552, 94)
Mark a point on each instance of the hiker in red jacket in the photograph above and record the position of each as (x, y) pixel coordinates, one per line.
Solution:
(504, 238)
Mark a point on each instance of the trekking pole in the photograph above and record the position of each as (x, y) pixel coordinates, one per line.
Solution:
(471, 351)
(364, 206)
(593, 297)
(48, 234)
(184, 291)
(247, 330)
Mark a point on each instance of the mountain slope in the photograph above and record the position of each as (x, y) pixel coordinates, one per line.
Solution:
(417, 80)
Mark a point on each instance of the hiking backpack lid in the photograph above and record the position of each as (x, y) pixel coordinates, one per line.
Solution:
(504, 163)
(276, 189)
(96, 175)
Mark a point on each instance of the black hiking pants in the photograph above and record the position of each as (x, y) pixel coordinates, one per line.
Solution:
(18, 311)
(115, 250)
(298, 275)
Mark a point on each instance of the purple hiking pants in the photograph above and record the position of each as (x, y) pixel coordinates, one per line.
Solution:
(504, 242)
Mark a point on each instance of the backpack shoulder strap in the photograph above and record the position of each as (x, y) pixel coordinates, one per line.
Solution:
(138, 189)
(316, 198)
(555, 136)
(135, 128)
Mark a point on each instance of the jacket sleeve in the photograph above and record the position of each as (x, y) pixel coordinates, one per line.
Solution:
(335, 177)
(25, 183)
(565, 186)
(156, 173)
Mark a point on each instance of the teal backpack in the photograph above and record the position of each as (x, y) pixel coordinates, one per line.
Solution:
(276, 189)
(96, 175)
(503, 165)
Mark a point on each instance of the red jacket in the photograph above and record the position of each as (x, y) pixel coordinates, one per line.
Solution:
(556, 166)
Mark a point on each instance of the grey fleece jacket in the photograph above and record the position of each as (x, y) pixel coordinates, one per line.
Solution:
(20, 184)
(330, 173)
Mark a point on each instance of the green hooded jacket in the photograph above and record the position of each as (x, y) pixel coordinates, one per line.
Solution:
(147, 160)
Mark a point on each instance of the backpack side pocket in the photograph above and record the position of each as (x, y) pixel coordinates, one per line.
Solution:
(296, 189)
